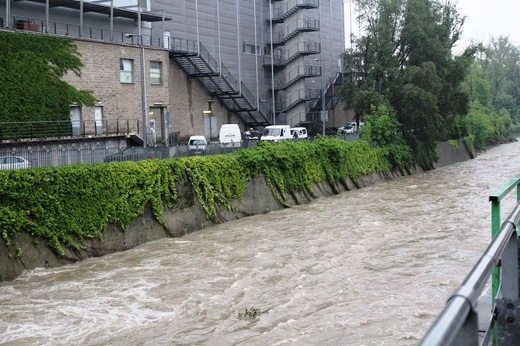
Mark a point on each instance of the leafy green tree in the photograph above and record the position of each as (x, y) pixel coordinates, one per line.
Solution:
(31, 67)
(404, 59)
(477, 86)
(500, 63)
(500, 60)
(480, 126)
(381, 127)
(493, 86)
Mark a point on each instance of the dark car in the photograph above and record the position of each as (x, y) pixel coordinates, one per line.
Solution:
(331, 131)
(314, 129)
(252, 135)
(134, 154)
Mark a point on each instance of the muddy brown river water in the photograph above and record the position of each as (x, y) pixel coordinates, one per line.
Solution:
(368, 267)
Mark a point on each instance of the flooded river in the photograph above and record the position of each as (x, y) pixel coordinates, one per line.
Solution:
(368, 267)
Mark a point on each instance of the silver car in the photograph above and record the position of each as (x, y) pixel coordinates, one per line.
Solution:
(14, 162)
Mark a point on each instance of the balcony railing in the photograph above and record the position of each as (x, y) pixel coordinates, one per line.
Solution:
(293, 28)
(14, 131)
(291, 6)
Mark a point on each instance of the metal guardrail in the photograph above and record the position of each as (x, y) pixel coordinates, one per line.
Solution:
(458, 322)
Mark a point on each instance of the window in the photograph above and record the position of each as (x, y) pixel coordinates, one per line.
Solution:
(250, 49)
(155, 72)
(126, 68)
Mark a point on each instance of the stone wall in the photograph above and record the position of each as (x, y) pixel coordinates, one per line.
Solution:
(256, 200)
(184, 97)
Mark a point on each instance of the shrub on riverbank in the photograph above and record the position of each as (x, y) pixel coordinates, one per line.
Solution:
(63, 206)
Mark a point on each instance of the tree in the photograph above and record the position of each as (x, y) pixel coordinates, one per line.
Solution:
(493, 86)
(31, 67)
(500, 63)
(381, 127)
(477, 86)
(404, 59)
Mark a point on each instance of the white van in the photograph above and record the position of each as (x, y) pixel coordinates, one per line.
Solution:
(197, 145)
(275, 133)
(299, 133)
(230, 136)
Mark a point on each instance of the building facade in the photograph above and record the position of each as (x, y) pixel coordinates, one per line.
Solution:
(284, 52)
(206, 62)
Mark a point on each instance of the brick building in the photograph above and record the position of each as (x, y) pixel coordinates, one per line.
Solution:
(206, 62)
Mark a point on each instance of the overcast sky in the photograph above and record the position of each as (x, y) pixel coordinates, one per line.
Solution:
(484, 18)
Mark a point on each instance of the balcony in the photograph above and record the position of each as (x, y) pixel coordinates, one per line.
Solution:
(67, 129)
(293, 29)
(302, 71)
(288, 8)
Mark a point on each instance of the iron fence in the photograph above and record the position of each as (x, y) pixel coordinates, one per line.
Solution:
(68, 129)
(95, 154)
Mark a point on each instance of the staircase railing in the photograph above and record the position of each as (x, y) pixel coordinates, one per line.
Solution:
(331, 95)
(218, 80)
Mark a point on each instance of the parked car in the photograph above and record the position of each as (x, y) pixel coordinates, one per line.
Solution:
(14, 162)
(331, 131)
(299, 133)
(134, 154)
(350, 128)
(252, 135)
(314, 129)
(197, 145)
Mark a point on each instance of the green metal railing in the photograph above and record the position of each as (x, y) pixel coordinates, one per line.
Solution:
(458, 322)
(495, 200)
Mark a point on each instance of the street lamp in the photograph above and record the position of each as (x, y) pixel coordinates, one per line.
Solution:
(272, 60)
(323, 111)
(143, 86)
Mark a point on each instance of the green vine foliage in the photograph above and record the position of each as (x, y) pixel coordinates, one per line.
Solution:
(31, 88)
(215, 180)
(63, 206)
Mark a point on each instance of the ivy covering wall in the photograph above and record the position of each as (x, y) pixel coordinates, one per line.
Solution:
(62, 206)
(31, 89)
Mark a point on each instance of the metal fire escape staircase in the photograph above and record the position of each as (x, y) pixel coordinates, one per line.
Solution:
(314, 106)
(196, 61)
(292, 28)
(290, 7)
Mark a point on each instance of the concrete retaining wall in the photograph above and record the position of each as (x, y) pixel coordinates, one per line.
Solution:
(256, 200)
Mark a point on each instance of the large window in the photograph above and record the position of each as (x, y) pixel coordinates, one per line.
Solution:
(126, 69)
(155, 72)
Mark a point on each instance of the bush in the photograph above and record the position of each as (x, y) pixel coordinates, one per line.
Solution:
(65, 205)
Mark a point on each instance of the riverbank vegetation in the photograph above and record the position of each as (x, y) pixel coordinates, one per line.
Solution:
(63, 206)
(403, 60)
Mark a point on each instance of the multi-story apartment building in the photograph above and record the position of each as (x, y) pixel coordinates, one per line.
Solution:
(206, 62)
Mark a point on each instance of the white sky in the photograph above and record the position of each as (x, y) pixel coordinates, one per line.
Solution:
(484, 19)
